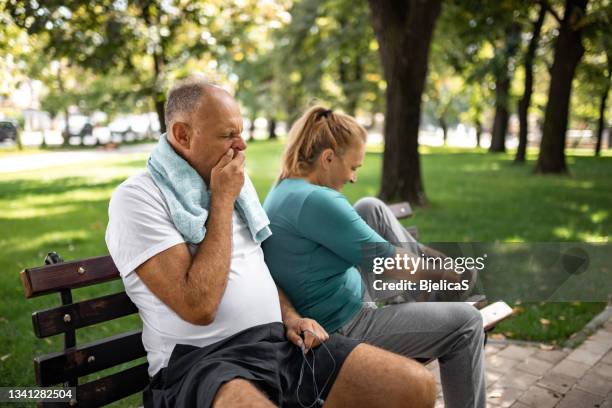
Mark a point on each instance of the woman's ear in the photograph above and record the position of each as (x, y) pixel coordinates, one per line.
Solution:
(326, 158)
(182, 134)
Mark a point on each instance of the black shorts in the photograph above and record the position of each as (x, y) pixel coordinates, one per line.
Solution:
(260, 354)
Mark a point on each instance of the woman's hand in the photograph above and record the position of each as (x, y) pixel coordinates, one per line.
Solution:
(296, 327)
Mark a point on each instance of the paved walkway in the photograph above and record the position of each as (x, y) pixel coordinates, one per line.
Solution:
(529, 376)
(24, 162)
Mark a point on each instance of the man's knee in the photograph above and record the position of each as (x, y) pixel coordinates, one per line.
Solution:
(368, 205)
(424, 386)
(382, 379)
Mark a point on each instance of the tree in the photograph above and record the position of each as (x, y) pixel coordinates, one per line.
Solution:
(404, 31)
(478, 98)
(503, 78)
(525, 101)
(338, 35)
(590, 100)
(150, 41)
(445, 97)
(568, 52)
(601, 121)
(259, 68)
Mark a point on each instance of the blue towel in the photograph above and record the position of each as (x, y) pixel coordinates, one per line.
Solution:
(189, 199)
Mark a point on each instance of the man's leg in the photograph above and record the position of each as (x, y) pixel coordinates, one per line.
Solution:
(239, 393)
(371, 377)
(450, 332)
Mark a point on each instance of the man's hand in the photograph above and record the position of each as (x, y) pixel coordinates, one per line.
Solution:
(227, 177)
(305, 326)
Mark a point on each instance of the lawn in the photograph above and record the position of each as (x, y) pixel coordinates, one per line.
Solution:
(474, 196)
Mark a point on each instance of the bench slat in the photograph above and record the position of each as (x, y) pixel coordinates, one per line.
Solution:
(401, 210)
(55, 368)
(68, 275)
(114, 387)
(81, 314)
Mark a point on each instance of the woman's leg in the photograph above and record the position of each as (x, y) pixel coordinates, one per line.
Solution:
(450, 332)
(380, 218)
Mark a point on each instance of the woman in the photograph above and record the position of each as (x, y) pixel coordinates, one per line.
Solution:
(319, 239)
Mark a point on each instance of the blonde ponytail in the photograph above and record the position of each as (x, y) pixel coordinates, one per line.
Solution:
(316, 130)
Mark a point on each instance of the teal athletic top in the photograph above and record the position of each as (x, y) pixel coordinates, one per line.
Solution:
(317, 240)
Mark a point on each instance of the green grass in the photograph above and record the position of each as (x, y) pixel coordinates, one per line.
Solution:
(474, 196)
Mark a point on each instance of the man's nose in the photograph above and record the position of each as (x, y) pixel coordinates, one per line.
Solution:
(239, 144)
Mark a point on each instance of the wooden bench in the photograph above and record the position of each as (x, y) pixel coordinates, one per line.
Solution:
(75, 361)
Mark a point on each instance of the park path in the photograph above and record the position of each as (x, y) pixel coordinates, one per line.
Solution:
(23, 162)
(521, 376)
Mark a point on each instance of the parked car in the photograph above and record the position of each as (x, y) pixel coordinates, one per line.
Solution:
(8, 130)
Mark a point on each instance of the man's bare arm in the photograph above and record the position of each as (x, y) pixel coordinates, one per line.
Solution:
(297, 325)
(288, 312)
(193, 286)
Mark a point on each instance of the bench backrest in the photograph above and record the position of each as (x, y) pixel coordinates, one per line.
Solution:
(75, 361)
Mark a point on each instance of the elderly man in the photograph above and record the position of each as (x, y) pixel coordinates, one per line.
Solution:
(185, 236)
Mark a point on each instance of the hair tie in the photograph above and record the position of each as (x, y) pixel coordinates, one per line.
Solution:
(325, 113)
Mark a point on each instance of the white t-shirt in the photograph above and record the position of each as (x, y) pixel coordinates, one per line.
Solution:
(140, 227)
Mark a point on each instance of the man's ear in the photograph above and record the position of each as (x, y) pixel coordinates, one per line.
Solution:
(326, 157)
(181, 132)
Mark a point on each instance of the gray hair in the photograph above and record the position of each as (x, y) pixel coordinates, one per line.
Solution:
(184, 97)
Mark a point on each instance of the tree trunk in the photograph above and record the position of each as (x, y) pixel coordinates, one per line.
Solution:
(500, 123)
(523, 106)
(272, 129)
(252, 129)
(159, 97)
(404, 30)
(478, 132)
(502, 89)
(444, 127)
(66, 132)
(161, 111)
(601, 122)
(568, 52)
(159, 61)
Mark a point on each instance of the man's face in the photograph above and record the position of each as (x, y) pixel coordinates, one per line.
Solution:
(216, 126)
(343, 168)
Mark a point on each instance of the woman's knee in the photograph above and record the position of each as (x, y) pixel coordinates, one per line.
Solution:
(469, 318)
(368, 205)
